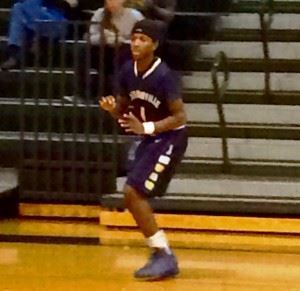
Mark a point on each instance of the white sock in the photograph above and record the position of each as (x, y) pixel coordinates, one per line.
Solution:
(159, 241)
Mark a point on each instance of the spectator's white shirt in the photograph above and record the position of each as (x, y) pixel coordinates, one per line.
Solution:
(124, 22)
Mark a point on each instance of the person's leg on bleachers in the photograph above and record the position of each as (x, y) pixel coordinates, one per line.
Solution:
(16, 37)
(25, 23)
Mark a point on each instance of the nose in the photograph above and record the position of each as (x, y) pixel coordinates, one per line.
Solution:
(135, 42)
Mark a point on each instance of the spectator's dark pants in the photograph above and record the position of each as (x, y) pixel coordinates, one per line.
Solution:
(24, 25)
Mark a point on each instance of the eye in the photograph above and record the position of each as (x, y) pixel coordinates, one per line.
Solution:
(143, 38)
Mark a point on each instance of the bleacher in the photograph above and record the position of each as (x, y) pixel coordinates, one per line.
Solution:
(263, 181)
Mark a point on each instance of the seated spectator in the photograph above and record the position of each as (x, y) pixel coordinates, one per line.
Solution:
(24, 25)
(109, 44)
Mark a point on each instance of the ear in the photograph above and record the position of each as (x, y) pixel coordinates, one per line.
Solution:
(156, 44)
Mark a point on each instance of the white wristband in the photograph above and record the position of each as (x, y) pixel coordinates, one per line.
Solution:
(149, 127)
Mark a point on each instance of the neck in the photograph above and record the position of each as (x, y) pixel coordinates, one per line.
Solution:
(144, 64)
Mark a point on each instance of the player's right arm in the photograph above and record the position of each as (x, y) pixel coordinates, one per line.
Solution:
(115, 106)
(118, 105)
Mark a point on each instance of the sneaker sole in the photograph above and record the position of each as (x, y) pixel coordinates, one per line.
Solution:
(158, 278)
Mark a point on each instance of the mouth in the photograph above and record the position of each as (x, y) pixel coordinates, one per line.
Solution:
(135, 53)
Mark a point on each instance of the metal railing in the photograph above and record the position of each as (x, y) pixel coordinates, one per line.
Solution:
(67, 151)
(266, 18)
(220, 63)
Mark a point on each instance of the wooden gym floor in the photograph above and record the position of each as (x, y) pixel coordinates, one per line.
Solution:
(43, 267)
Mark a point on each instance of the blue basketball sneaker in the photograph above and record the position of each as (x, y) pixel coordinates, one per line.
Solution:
(161, 265)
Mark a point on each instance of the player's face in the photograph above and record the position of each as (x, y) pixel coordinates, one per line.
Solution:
(114, 5)
(142, 46)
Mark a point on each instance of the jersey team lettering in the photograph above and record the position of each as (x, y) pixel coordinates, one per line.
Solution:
(137, 94)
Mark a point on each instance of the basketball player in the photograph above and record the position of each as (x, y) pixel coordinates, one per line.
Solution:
(150, 105)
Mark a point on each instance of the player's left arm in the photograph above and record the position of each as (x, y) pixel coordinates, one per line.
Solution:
(176, 118)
